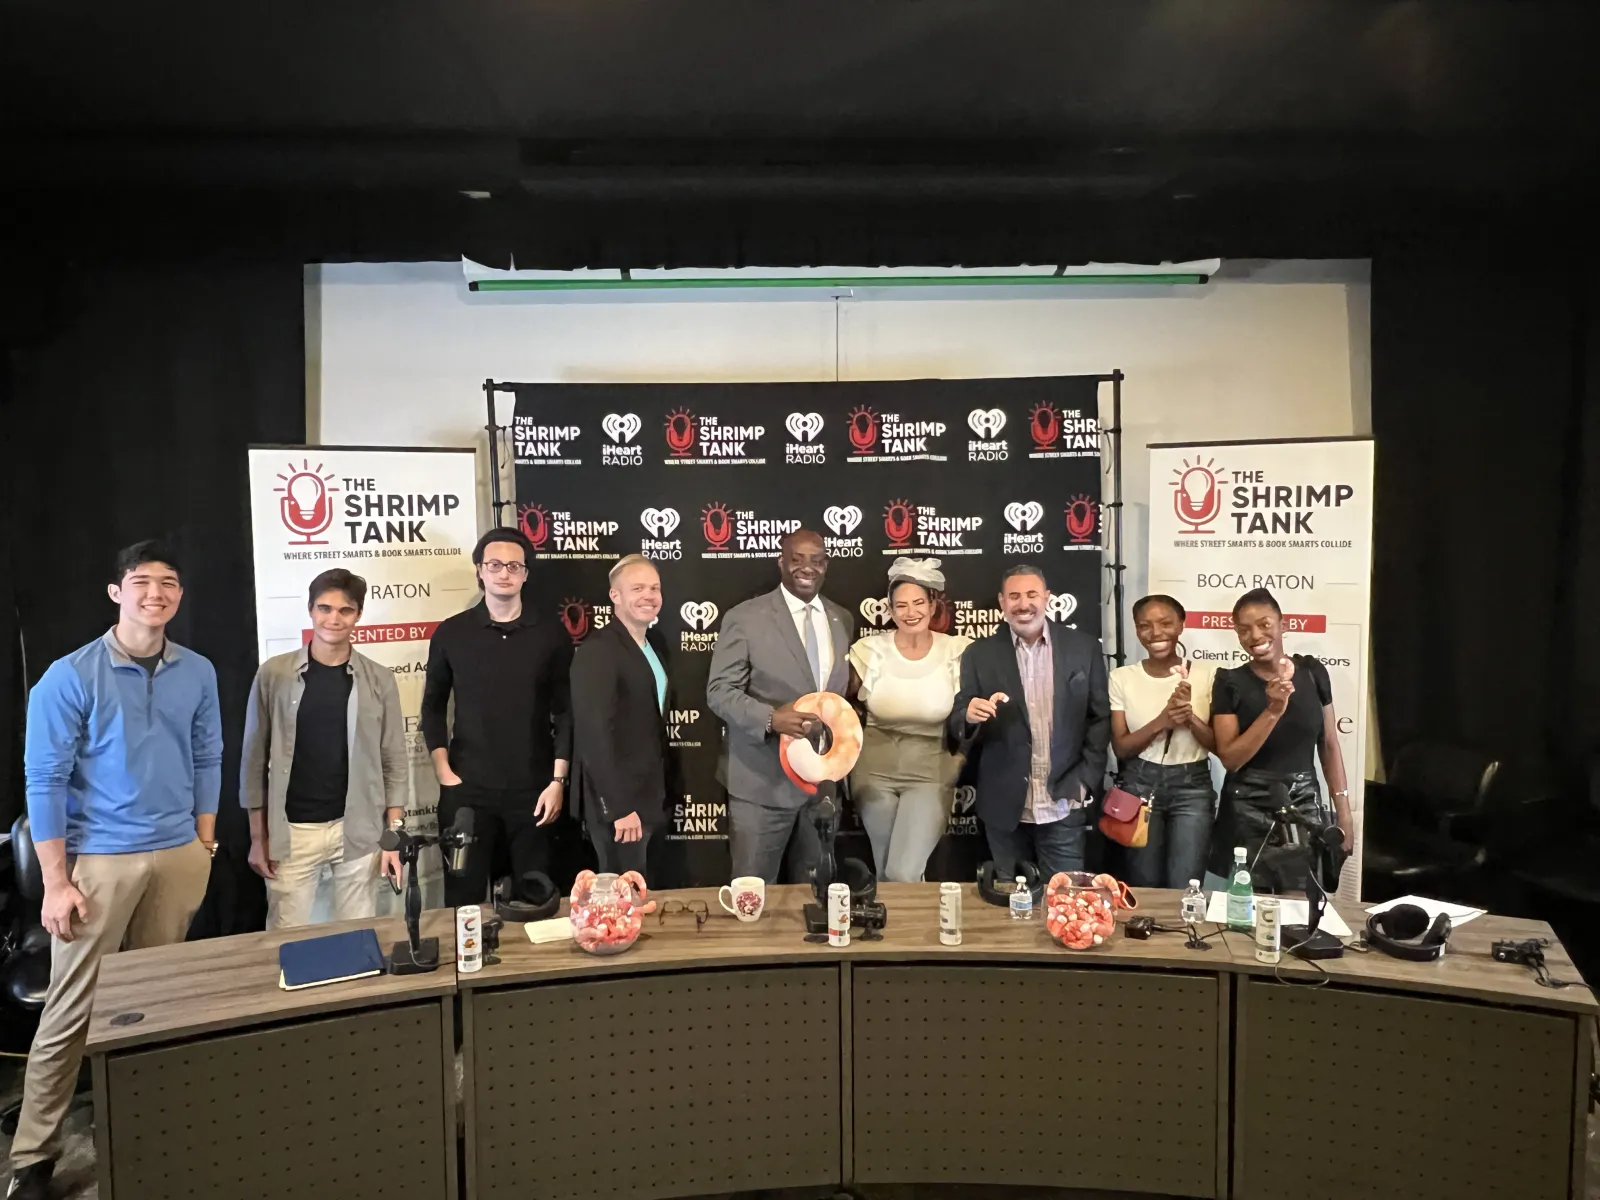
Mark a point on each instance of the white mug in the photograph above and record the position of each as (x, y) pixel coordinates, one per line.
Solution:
(745, 897)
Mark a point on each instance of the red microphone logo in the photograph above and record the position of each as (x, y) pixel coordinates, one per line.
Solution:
(1083, 518)
(535, 525)
(716, 525)
(940, 622)
(1044, 423)
(575, 618)
(863, 429)
(1196, 495)
(680, 432)
(899, 520)
(307, 505)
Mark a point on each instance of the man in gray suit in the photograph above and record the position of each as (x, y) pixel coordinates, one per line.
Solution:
(772, 650)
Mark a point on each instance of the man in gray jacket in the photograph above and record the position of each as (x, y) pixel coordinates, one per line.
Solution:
(324, 767)
(772, 650)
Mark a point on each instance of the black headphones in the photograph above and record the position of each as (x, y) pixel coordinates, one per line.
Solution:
(993, 895)
(1405, 931)
(534, 897)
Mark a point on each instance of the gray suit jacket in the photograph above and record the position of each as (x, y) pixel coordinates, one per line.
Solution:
(759, 664)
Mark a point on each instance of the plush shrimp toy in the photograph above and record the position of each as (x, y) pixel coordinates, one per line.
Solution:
(1081, 915)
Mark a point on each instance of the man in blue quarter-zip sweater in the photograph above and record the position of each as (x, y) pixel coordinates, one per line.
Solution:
(124, 766)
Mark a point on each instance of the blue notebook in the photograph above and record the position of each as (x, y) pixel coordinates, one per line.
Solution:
(331, 959)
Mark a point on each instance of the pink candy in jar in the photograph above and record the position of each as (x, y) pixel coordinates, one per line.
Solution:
(608, 911)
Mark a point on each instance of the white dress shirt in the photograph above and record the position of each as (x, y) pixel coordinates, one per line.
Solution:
(813, 612)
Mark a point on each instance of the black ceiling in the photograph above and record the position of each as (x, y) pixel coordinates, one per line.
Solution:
(350, 128)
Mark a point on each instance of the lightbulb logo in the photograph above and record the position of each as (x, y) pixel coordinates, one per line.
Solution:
(1083, 519)
(899, 522)
(863, 430)
(535, 524)
(1044, 425)
(575, 617)
(717, 524)
(307, 505)
(680, 432)
(1197, 495)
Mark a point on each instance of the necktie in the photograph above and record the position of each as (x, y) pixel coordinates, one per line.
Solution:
(813, 651)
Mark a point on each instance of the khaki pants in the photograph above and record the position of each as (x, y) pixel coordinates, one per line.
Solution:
(149, 898)
(313, 848)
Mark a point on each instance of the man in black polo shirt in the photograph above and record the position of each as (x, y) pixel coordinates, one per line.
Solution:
(507, 756)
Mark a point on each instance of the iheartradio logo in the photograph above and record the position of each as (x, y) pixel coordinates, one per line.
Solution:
(986, 422)
(698, 614)
(1023, 517)
(803, 427)
(875, 609)
(1197, 495)
(1061, 606)
(659, 521)
(307, 505)
(621, 428)
(965, 797)
(842, 521)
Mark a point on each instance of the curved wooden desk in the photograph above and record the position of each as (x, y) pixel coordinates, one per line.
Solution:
(227, 1086)
(741, 1056)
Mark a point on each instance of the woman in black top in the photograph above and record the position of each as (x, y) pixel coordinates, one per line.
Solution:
(1270, 716)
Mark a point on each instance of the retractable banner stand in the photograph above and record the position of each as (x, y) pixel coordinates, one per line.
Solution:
(705, 479)
(1294, 517)
(405, 521)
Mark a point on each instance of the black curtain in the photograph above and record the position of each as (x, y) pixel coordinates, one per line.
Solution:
(129, 405)
(1486, 411)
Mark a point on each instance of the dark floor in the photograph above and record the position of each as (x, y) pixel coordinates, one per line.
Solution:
(75, 1178)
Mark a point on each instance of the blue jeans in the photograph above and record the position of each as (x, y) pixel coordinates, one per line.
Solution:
(1057, 846)
(1181, 805)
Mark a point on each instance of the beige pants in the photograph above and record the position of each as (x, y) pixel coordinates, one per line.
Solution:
(313, 849)
(148, 898)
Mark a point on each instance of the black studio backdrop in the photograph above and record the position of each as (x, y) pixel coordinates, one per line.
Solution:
(706, 478)
(130, 401)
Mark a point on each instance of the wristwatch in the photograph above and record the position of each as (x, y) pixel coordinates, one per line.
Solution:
(561, 779)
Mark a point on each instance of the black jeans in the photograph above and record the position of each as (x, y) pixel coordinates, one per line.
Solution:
(1181, 804)
(502, 819)
(1282, 858)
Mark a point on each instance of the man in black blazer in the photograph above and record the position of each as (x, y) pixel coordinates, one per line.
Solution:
(1033, 716)
(619, 701)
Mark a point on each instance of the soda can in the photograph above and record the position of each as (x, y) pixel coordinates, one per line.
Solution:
(838, 914)
(469, 938)
(950, 914)
(1267, 929)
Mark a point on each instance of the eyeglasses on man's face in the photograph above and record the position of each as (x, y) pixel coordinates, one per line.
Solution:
(493, 566)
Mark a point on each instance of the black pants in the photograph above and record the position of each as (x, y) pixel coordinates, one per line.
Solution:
(1283, 858)
(505, 829)
(617, 857)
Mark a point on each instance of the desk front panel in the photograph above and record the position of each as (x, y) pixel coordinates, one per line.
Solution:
(1117, 1071)
(350, 1106)
(1343, 1094)
(656, 1085)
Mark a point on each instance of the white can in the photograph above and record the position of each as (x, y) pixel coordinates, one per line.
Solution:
(838, 914)
(950, 914)
(469, 939)
(1267, 929)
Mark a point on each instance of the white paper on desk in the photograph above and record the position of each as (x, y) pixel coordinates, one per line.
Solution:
(1290, 912)
(556, 929)
(1460, 914)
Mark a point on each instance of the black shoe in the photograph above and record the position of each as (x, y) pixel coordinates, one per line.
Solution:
(31, 1182)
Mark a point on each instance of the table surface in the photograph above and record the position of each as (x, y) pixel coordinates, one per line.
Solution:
(990, 935)
(229, 983)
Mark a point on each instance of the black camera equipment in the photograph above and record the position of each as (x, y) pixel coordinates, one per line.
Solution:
(1530, 954)
(418, 955)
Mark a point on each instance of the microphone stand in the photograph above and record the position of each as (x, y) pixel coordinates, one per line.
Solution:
(416, 955)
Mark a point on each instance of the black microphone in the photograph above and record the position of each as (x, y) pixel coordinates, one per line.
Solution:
(1328, 837)
(458, 837)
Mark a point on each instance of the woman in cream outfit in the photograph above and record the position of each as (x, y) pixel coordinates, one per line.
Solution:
(906, 679)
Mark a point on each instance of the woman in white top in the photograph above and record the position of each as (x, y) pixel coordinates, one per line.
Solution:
(906, 678)
(1161, 735)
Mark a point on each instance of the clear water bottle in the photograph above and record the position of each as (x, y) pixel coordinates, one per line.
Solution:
(1192, 908)
(1241, 895)
(1021, 901)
